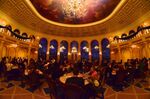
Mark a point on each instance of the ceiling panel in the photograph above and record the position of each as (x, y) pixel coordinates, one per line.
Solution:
(20, 11)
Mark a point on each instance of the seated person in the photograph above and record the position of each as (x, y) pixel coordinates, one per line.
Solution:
(75, 79)
(94, 73)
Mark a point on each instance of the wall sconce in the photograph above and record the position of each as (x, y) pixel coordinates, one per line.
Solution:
(145, 24)
(47, 53)
(37, 37)
(13, 45)
(110, 39)
(1, 30)
(134, 46)
(79, 53)
(90, 53)
(36, 52)
(69, 53)
(100, 53)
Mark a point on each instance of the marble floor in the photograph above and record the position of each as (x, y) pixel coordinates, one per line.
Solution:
(12, 90)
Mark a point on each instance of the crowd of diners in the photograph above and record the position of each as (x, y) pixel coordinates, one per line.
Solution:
(91, 76)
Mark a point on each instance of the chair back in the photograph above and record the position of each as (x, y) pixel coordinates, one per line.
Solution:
(52, 86)
(74, 92)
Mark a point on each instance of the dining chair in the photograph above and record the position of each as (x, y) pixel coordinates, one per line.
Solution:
(72, 91)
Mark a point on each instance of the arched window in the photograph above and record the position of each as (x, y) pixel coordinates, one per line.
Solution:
(74, 50)
(95, 50)
(8, 30)
(53, 49)
(42, 49)
(84, 50)
(24, 34)
(63, 51)
(17, 31)
(105, 50)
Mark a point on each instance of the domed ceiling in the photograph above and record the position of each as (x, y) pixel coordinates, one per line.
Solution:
(75, 11)
(55, 17)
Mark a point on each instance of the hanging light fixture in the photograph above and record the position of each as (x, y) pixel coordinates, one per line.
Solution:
(74, 9)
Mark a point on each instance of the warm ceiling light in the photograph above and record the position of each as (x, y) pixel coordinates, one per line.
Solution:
(36, 52)
(145, 24)
(37, 37)
(112, 52)
(110, 38)
(13, 45)
(134, 46)
(2, 22)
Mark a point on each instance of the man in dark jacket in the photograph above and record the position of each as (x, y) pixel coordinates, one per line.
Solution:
(75, 79)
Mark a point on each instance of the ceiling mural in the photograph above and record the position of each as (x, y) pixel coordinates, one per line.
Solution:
(75, 11)
(127, 14)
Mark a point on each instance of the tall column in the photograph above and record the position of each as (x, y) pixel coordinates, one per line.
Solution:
(119, 52)
(100, 53)
(36, 57)
(69, 51)
(58, 51)
(16, 51)
(48, 48)
(79, 51)
(147, 49)
(29, 52)
(90, 54)
(140, 52)
(1, 47)
(132, 54)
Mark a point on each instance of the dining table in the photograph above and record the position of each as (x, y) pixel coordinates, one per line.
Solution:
(86, 78)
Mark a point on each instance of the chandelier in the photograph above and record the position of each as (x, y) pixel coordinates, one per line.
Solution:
(74, 9)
